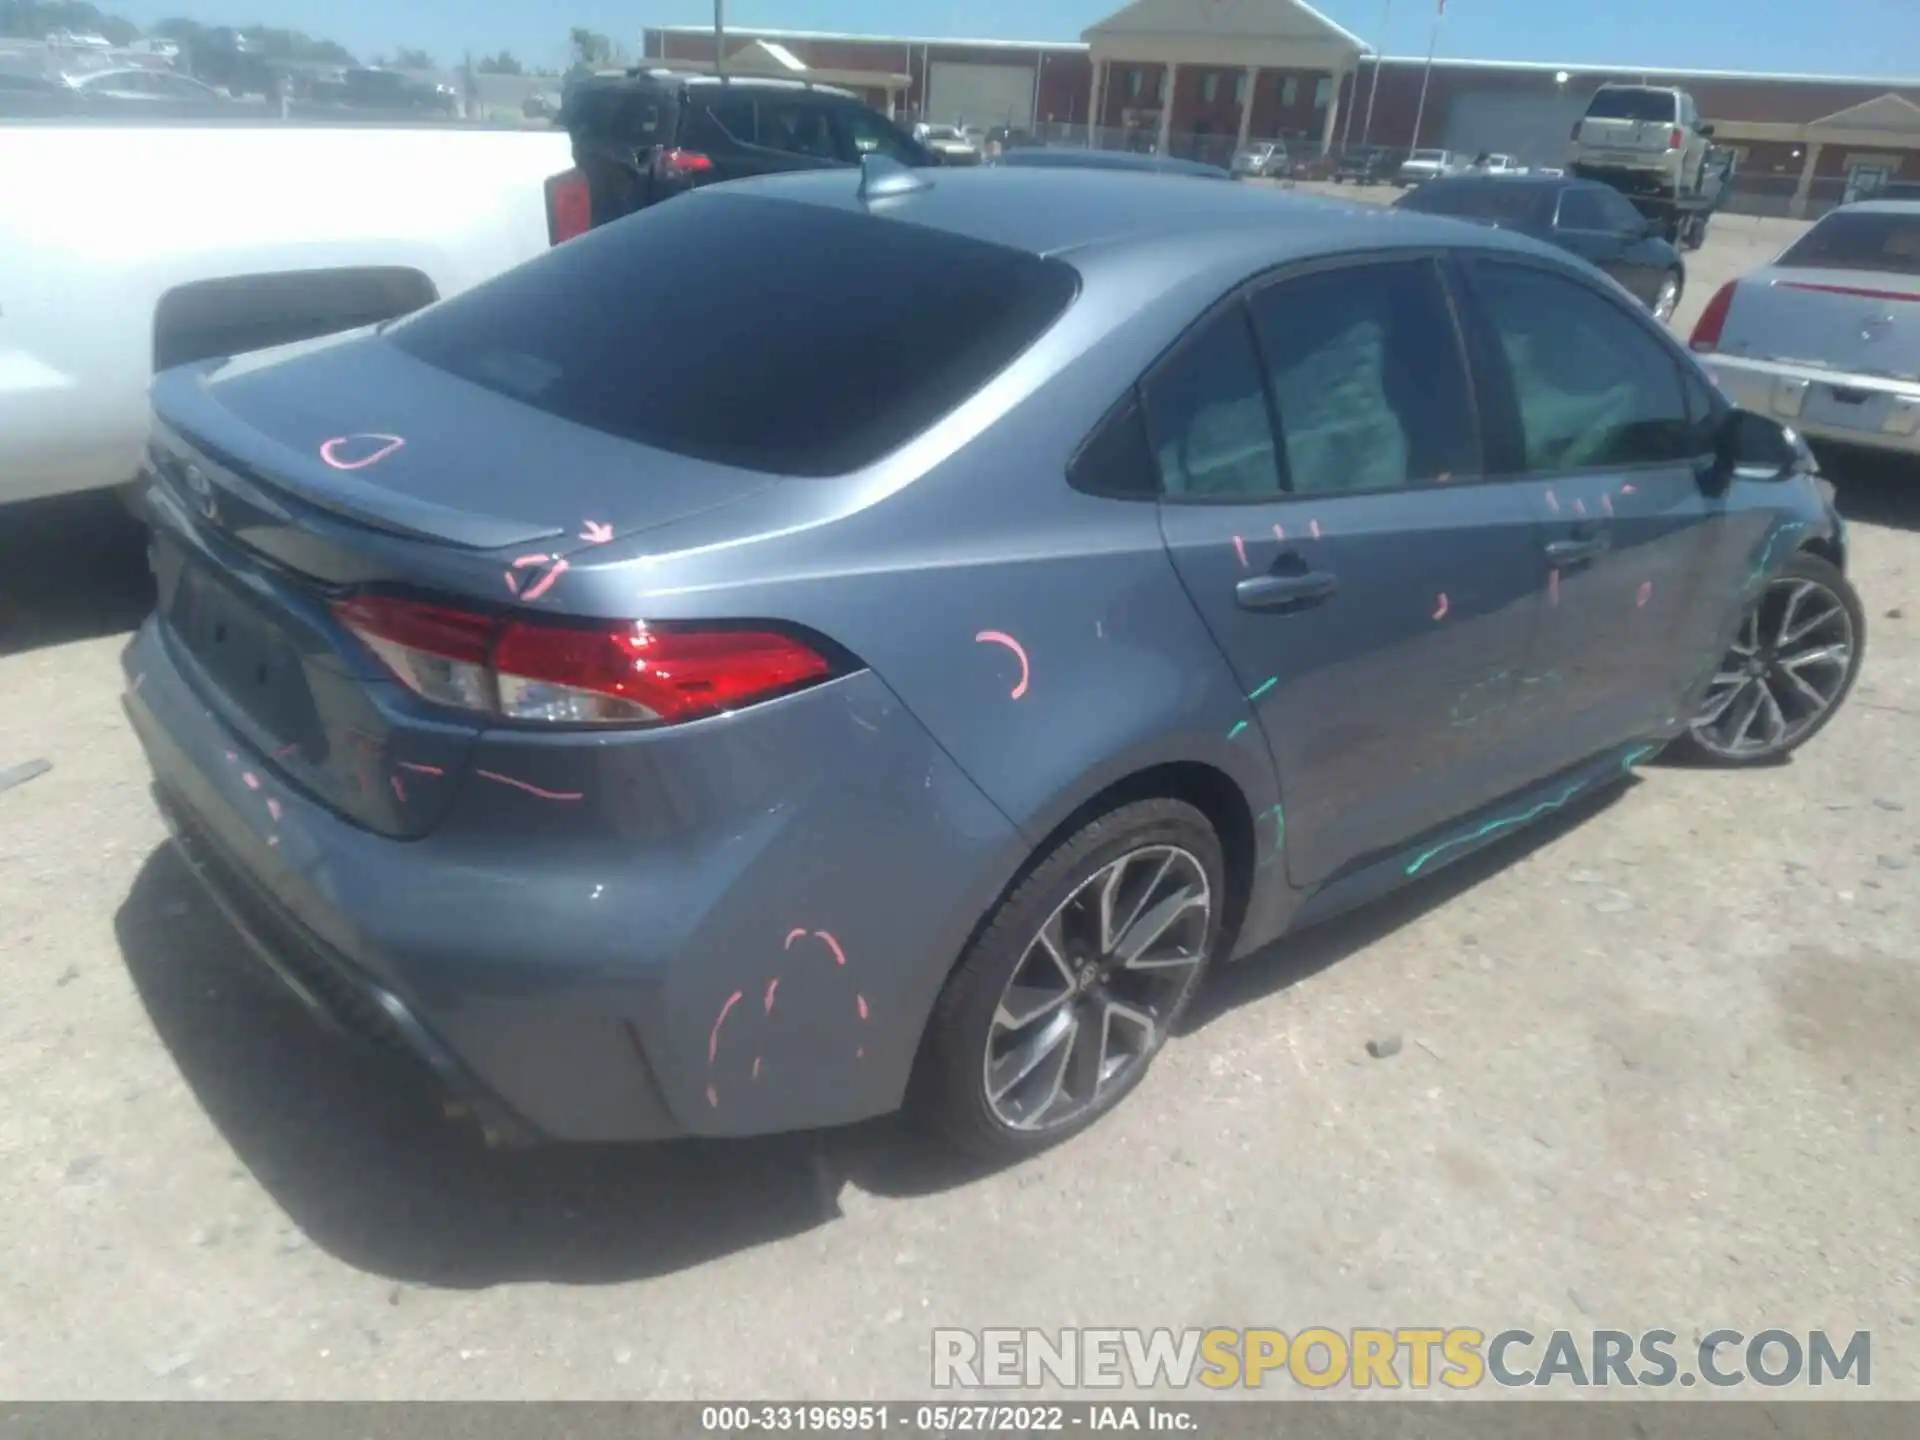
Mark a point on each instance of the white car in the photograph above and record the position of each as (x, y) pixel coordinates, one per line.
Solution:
(1827, 338)
(1424, 165)
(139, 84)
(161, 259)
(949, 142)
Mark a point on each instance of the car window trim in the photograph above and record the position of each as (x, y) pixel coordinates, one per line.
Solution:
(1466, 262)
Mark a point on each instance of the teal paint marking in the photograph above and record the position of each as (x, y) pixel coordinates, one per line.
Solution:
(1272, 680)
(1236, 730)
(1493, 827)
(1635, 756)
(1779, 534)
(1279, 834)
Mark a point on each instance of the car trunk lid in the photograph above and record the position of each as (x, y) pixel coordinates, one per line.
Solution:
(1848, 321)
(262, 523)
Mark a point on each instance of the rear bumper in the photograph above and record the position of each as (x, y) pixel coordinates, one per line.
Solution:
(742, 936)
(1865, 410)
(1653, 175)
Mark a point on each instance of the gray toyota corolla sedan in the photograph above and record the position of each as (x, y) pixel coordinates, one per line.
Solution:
(853, 639)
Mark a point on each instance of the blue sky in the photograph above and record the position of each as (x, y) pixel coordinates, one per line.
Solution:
(1839, 37)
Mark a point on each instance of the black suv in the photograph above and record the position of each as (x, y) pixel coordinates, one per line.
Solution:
(1367, 165)
(646, 135)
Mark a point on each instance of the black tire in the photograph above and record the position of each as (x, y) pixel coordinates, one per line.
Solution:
(1693, 747)
(948, 1094)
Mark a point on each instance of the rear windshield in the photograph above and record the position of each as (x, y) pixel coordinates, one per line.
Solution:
(1516, 204)
(1889, 244)
(780, 337)
(1656, 106)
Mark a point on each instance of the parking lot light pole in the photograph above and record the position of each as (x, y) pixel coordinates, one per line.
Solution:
(1426, 77)
(1373, 90)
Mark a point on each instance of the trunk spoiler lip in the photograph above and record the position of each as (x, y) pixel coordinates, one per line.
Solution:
(1859, 292)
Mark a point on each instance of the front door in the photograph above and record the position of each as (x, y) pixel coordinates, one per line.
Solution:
(1372, 595)
(1611, 448)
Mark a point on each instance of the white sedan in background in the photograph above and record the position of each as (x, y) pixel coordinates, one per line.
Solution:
(1827, 338)
(949, 142)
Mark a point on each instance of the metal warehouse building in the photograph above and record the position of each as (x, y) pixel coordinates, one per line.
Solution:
(1199, 77)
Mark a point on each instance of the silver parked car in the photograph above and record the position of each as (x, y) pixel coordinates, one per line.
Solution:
(1264, 160)
(1424, 165)
(1827, 338)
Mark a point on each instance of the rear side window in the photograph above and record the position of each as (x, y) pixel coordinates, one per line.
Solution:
(1208, 420)
(779, 337)
(1646, 106)
(1887, 243)
(1368, 379)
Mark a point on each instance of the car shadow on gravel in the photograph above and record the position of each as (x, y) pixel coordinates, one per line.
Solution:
(1874, 489)
(71, 568)
(353, 1146)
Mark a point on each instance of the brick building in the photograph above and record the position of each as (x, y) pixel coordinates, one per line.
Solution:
(1198, 77)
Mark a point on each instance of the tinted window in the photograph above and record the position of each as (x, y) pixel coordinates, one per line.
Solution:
(867, 132)
(787, 338)
(1520, 207)
(734, 116)
(1859, 241)
(1367, 379)
(1646, 106)
(1593, 387)
(1584, 210)
(1208, 420)
(1116, 459)
(1619, 212)
(798, 128)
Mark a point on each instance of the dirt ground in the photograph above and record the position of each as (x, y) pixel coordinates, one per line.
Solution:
(1658, 1070)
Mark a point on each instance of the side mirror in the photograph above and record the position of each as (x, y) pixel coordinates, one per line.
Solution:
(1754, 448)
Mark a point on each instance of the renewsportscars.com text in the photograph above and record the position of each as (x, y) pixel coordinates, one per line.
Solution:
(1458, 1358)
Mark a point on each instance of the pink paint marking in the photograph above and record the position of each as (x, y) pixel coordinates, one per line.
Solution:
(273, 839)
(545, 582)
(996, 637)
(1444, 476)
(1627, 490)
(713, 1040)
(273, 807)
(773, 986)
(1313, 528)
(1280, 532)
(1553, 587)
(284, 751)
(756, 1067)
(1643, 594)
(231, 757)
(329, 449)
(138, 681)
(251, 780)
(1606, 502)
(861, 1001)
(1553, 502)
(513, 581)
(530, 789)
(420, 769)
(712, 1098)
(525, 560)
(861, 1053)
(1579, 506)
(1441, 613)
(596, 533)
(399, 790)
(793, 935)
(839, 955)
(1240, 549)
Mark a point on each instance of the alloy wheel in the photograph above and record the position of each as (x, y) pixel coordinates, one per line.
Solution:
(1667, 300)
(1787, 669)
(1095, 989)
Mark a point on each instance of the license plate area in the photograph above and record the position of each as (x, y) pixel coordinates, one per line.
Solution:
(244, 654)
(1845, 407)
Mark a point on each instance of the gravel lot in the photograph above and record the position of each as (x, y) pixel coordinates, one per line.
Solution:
(1658, 1071)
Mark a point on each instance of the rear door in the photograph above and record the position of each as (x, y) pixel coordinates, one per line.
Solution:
(1362, 583)
(1597, 425)
(1599, 234)
(794, 132)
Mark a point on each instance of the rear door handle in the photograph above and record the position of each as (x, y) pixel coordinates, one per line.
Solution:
(1285, 592)
(1574, 552)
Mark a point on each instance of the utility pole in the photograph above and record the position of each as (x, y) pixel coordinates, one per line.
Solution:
(1373, 90)
(720, 37)
(1432, 42)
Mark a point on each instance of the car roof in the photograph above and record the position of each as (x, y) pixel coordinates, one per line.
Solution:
(1881, 207)
(667, 78)
(1058, 211)
(1510, 180)
(1068, 158)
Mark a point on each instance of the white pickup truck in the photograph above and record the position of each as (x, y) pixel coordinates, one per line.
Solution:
(125, 249)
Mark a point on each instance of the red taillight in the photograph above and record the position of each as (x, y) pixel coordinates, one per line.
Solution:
(630, 673)
(1713, 319)
(569, 206)
(1676, 138)
(678, 164)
